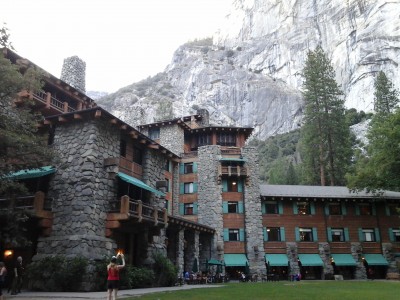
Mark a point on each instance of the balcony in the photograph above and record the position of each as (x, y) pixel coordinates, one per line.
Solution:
(136, 210)
(125, 166)
(232, 171)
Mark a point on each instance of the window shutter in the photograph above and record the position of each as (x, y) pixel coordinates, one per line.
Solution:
(195, 187)
(295, 209)
(181, 188)
(282, 232)
(391, 235)
(377, 235)
(297, 233)
(240, 207)
(373, 209)
(181, 168)
(240, 186)
(241, 234)
(344, 208)
(357, 210)
(346, 235)
(280, 207)
(181, 209)
(225, 207)
(315, 235)
(387, 210)
(265, 233)
(263, 208)
(312, 208)
(195, 208)
(329, 233)
(224, 185)
(326, 208)
(226, 234)
(195, 167)
(360, 235)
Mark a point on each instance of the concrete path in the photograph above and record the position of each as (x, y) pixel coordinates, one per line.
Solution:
(100, 295)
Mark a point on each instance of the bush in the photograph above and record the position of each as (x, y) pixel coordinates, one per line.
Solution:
(166, 272)
(138, 277)
(57, 273)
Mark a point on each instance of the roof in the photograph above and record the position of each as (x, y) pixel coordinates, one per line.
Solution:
(180, 120)
(305, 191)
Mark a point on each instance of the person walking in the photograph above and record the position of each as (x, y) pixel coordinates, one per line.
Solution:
(113, 269)
(17, 279)
(3, 273)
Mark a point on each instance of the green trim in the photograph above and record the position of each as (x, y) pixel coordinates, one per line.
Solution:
(344, 260)
(31, 173)
(139, 183)
(311, 260)
(235, 260)
(375, 260)
(277, 260)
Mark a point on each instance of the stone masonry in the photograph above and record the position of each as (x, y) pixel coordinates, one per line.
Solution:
(74, 72)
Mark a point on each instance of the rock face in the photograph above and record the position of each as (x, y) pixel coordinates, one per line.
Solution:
(360, 36)
(250, 74)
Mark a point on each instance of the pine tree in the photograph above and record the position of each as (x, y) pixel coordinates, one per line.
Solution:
(386, 97)
(325, 136)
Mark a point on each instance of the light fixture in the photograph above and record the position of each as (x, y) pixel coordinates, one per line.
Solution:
(234, 183)
(8, 253)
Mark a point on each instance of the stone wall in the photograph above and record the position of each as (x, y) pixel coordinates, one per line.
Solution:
(74, 72)
(81, 190)
(209, 195)
(253, 214)
(172, 138)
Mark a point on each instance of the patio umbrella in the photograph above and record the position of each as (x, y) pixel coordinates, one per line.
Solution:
(246, 269)
(195, 267)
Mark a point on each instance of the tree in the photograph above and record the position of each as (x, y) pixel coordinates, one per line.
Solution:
(379, 168)
(386, 97)
(21, 147)
(325, 135)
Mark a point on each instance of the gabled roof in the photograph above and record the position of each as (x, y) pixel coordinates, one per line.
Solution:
(181, 121)
(306, 191)
(98, 112)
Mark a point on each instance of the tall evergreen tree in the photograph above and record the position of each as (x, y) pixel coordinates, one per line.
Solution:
(325, 135)
(379, 169)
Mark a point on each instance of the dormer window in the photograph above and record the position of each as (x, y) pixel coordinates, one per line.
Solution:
(226, 139)
(154, 133)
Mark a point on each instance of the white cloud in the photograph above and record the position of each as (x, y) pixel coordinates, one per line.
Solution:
(121, 41)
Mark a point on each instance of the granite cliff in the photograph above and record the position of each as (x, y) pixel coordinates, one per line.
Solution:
(249, 74)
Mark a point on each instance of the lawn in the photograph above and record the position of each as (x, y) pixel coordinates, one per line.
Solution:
(309, 290)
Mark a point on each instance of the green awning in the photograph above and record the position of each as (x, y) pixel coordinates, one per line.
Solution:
(375, 259)
(139, 183)
(277, 260)
(32, 173)
(232, 159)
(215, 262)
(346, 260)
(311, 260)
(235, 260)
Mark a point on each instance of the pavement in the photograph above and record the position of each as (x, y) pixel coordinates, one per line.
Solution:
(100, 295)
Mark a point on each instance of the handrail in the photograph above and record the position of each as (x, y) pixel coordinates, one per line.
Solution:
(24, 203)
(233, 170)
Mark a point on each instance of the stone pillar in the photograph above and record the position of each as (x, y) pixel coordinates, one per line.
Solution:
(292, 254)
(253, 214)
(387, 253)
(74, 72)
(180, 255)
(325, 254)
(356, 251)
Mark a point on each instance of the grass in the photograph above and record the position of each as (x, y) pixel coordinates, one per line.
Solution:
(309, 290)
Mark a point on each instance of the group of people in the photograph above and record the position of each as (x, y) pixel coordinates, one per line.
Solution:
(17, 277)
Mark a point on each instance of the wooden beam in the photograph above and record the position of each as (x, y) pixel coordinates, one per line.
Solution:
(124, 127)
(153, 146)
(78, 116)
(97, 114)
(47, 122)
(143, 141)
(62, 119)
(114, 121)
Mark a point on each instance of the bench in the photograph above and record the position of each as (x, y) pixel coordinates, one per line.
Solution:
(393, 276)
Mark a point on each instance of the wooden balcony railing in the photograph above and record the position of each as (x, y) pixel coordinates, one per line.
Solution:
(49, 100)
(231, 151)
(189, 154)
(232, 171)
(130, 168)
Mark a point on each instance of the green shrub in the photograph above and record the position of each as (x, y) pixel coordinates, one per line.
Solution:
(166, 272)
(57, 273)
(138, 277)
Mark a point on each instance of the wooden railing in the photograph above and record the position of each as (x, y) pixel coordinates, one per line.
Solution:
(231, 151)
(49, 100)
(131, 168)
(190, 154)
(35, 203)
(232, 171)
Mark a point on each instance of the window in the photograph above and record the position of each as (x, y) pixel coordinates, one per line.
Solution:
(232, 185)
(154, 133)
(365, 209)
(233, 234)
(303, 208)
(305, 234)
(394, 209)
(335, 209)
(167, 187)
(233, 207)
(273, 234)
(188, 208)
(368, 235)
(271, 207)
(122, 148)
(137, 156)
(203, 140)
(167, 166)
(337, 235)
(226, 139)
(188, 188)
(188, 168)
(396, 235)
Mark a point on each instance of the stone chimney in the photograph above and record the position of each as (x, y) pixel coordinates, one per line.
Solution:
(205, 117)
(74, 72)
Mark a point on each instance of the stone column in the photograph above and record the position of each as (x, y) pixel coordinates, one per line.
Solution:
(356, 251)
(325, 254)
(292, 254)
(180, 255)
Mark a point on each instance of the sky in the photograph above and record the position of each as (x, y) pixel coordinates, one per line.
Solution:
(121, 41)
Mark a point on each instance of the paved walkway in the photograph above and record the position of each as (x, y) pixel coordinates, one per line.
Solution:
(100, 295)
